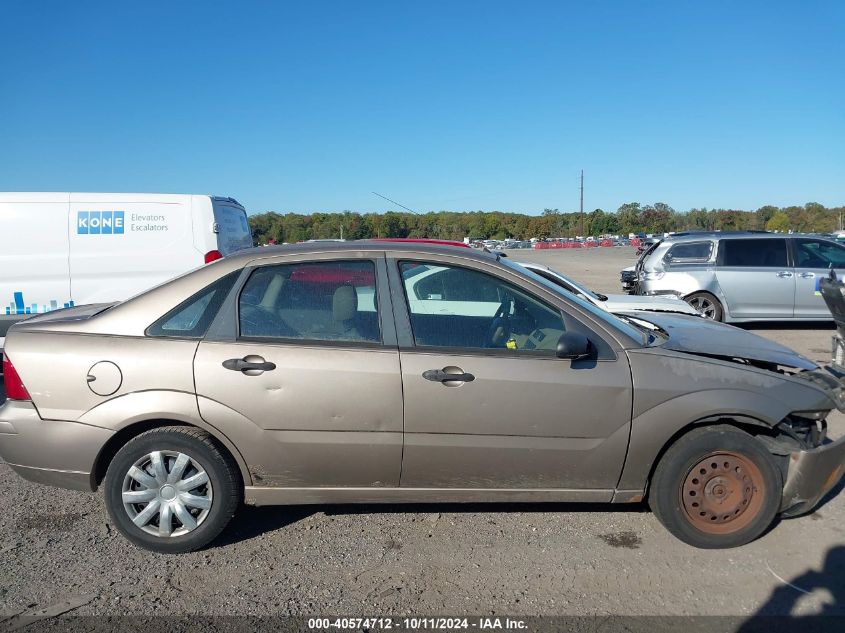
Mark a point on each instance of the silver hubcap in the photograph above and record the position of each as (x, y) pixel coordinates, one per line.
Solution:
(167, 493)
(703, 306)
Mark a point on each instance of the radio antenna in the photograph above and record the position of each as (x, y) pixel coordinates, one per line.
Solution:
(394, 202)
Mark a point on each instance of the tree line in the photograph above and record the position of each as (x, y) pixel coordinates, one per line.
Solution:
(631, 217)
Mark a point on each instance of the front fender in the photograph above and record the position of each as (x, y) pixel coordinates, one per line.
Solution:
(654, 428)
(673, 390)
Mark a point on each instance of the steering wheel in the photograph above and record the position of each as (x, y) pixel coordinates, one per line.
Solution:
(500, 327)
(257, 320)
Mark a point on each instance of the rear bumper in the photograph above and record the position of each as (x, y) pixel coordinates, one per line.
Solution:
(811, 475)
(51, 452)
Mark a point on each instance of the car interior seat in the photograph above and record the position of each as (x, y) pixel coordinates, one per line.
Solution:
(344, 311)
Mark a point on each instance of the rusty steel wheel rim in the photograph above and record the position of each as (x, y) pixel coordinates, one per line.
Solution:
(723, 493)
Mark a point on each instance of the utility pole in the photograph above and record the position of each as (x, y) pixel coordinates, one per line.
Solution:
(581, 230)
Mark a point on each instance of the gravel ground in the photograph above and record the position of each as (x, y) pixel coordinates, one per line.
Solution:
(58, 551)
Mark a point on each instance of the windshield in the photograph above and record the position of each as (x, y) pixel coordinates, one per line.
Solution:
(627, 328)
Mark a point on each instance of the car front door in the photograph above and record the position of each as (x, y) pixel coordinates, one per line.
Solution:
(814, 259)
(514, 416)
(756, 278)
(301, 371)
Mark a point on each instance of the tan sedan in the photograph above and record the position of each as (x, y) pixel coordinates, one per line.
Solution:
(389, 372)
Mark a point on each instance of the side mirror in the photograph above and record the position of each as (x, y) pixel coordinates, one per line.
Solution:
(573, 345)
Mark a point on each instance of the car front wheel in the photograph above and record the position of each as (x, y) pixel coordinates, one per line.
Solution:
(716, 487)
(706, 305)
(172, 489)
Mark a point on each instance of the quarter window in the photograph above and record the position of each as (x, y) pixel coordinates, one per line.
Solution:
(192, 317)
(457, 307)
(811, 253)
(689, 252)
(318, 301)
(756, 253)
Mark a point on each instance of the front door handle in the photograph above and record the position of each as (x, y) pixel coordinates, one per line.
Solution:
(784, 273)
(244, 364)
(807, 275)
(448, 374)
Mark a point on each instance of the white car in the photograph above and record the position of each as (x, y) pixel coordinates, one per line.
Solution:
(613, 303)
(58, 250)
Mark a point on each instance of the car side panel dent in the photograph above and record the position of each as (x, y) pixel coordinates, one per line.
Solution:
(673, 391)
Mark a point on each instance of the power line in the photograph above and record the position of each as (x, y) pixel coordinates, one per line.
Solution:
(394, 202)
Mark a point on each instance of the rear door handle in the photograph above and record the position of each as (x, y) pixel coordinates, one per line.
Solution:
(784, 273)
(242, 364)
(441, 375)
(807, 275)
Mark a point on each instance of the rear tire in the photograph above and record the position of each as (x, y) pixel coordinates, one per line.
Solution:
(716, 487)
(172, 490)
(706, 305)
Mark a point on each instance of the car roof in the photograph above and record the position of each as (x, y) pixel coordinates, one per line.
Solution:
(353, 246)
(716, 235)
(746, 235)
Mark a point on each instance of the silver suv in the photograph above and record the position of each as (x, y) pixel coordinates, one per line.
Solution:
(742, 276)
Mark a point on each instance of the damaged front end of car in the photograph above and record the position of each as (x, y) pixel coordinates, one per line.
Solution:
(819, 464)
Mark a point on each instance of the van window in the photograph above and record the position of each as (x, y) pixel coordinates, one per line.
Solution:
(689, 252)
(233, 233)
(810, 253)
(756, 253)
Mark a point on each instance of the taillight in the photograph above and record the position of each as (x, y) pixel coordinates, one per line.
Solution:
(14, 386)
(211, 256)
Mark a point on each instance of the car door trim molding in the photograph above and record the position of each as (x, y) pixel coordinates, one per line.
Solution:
(260, 496)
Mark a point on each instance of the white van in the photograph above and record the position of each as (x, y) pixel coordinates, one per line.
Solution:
(63, 249)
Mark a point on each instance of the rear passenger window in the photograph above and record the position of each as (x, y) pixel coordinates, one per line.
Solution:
(689, 252)
(192, 317)
(318, 301)
(756, 253)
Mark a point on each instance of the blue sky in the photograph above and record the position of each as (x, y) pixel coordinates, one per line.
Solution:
(460, 105)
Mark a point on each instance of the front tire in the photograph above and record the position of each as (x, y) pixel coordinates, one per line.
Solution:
(706, 305)
(716, 487)
(172, 490)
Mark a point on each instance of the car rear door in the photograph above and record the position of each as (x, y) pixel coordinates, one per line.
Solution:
(814, 258)
(301, 370)
(756, 278)
(518, 417)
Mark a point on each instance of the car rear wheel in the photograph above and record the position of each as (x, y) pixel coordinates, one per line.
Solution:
(706, 305)
(716, 487)
(172, 489)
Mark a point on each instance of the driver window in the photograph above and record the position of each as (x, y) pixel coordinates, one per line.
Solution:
(818, 254)
(318, 301)
(452, 306)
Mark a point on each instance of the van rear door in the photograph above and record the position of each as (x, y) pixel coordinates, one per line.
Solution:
(233, 233)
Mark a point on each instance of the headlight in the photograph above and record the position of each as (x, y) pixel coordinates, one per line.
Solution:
(653, 274)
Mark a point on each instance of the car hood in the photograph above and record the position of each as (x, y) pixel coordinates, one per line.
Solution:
(710, 338)
(671, 303)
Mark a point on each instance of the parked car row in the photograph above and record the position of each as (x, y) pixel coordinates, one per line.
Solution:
(409, 372)
(741, 276)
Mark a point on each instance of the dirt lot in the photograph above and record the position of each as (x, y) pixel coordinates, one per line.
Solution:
(528, 560)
